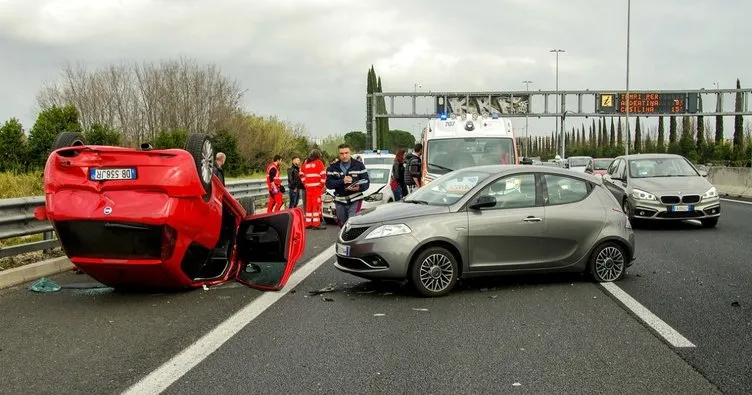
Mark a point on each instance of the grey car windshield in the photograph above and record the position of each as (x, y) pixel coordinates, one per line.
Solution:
(447, 189)
(578, 162)
(661, 167)
(378, 176)
(445, 155)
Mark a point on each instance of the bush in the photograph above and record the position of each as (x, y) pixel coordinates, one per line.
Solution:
(15, 185)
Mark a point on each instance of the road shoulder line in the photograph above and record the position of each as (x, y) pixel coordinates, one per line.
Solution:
(172, 370)
(736, 201)
(668, 333)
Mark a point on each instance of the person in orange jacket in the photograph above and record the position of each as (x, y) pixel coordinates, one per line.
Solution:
(313, 175)
(274, 185)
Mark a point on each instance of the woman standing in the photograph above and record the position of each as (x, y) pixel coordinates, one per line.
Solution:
(397, 183)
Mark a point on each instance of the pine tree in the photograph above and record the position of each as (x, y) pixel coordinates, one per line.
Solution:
(612, 136)
(637, 136)
(700, 138)
(672, 130)
(583, 139)
(718, 129)
(661, 136)
(371, 126)
(383, 129)
(619, 134)
(738, 125)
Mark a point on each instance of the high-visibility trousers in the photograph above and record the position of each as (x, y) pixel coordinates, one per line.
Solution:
(313, 206)
(275, 202)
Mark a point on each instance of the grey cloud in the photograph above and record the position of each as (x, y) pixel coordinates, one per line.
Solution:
(306, 60)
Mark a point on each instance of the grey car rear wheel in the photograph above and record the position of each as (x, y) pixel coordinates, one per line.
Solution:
(434, 272)
(608, 263)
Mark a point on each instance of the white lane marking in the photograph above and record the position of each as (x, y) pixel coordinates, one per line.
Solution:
(736, 201)
(161, 378)
(663, 329)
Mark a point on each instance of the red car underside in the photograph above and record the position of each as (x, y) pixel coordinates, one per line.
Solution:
(155, 230)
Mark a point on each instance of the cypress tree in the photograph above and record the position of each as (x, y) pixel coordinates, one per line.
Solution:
(619, 134)
(661, 136)
(637, 136)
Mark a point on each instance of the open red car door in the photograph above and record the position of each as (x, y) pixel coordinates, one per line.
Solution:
(269, 245)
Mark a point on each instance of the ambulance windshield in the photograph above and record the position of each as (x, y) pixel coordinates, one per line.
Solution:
(445, 155)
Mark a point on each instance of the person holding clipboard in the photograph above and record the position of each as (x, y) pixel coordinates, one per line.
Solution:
(349, 179)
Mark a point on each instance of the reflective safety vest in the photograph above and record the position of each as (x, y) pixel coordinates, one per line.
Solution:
(313, 174)
(271, 182)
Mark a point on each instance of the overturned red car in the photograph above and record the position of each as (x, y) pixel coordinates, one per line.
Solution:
(161, 218)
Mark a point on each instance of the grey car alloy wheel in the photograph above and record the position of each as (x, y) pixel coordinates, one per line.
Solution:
(609, 264)
(434, 272)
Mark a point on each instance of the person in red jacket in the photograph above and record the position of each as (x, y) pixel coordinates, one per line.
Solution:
(274, 185)
(313, 175)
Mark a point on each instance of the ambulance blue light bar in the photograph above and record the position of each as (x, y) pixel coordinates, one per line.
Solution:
(443, 117)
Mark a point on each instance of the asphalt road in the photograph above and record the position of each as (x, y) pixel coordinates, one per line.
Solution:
(548, 334)
(699, 281)
(97, 341)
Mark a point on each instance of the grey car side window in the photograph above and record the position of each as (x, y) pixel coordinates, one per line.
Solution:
(563, 190)
(515, 191)
(621, 171)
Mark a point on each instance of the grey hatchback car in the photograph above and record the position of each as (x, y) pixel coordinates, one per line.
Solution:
(662, 187)
(491, 220)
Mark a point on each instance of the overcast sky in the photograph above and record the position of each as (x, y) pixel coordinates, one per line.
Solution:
(306, 60)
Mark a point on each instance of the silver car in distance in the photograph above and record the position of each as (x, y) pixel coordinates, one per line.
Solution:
(491, 220)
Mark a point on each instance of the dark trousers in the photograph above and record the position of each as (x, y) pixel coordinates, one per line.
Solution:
(294, 198)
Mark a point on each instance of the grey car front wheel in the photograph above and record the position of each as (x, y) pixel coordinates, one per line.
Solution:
(608, 263)
(434, 272)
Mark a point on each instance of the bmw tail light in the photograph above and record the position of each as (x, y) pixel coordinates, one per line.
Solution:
(169, 237)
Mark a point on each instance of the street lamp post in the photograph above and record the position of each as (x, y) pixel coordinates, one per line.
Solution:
(415, 91)
(527, 141)
(626, 146)
(561, 133)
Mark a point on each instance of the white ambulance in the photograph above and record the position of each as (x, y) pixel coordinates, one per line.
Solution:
(456, 142)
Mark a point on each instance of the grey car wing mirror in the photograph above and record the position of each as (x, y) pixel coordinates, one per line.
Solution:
(482, 201)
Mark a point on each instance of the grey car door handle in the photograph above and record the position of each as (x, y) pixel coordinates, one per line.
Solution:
(532, 219)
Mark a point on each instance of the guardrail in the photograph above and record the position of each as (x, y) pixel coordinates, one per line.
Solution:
(17, 218)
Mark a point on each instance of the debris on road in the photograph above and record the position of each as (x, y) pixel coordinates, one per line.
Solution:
(379, 315)
(329, 288)
(91, 285)
(328, 300)
(735, 304)
(44, 285)
(419, 309)
(516, 385)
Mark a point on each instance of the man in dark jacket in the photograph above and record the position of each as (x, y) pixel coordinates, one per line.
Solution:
(220, 161)
(294, 183)
(413, 171)
(348, 178)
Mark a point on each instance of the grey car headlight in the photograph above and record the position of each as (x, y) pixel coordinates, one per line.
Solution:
(642, 195)
(375, 197)
(388, 230)
(710, 194)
